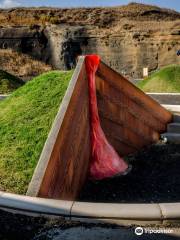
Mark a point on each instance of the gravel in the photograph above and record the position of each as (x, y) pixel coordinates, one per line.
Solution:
(154, 178)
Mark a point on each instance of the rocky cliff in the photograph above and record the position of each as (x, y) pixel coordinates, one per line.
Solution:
(127, 38)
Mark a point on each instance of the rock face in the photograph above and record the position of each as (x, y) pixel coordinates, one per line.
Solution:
(24, 39)
(127, 41)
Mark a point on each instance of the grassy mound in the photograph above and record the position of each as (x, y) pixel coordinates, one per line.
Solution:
(165, 80)
(8, 82)
(25, 120)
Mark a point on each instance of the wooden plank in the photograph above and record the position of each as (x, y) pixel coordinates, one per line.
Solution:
(123, 133)
(123, 85)
(57, 174)
(121, 116)
(70, 152)
(121, 148)
(69, 188)
(106, 91)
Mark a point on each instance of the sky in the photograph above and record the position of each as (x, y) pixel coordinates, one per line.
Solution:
(173, 4)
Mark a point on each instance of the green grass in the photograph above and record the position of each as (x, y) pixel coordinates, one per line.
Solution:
(26, 118)
(9, 83)
(165, 80)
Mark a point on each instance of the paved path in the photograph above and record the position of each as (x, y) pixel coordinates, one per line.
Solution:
(166, 98)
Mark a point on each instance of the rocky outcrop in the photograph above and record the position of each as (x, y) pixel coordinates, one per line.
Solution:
(129, 40)
(125, 50)
(25, 39)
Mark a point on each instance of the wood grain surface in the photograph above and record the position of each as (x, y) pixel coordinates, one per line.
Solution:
(64, 163)
(130, 119)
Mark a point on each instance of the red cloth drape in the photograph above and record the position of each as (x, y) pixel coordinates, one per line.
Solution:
(105, 161)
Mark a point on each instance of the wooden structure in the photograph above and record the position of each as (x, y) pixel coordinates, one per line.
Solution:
(130, 119)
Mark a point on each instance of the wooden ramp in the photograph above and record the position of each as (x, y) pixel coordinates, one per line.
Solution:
(130, 119)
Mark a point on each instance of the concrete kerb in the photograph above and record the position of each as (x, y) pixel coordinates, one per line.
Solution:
(121, 214)
(33, 205)
(172, 108)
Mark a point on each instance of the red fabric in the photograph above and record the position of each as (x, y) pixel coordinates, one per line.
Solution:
(105, 162)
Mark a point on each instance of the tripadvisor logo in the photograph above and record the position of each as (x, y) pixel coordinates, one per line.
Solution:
(138, 231)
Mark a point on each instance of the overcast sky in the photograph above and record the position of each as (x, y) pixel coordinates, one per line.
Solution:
(174, 4)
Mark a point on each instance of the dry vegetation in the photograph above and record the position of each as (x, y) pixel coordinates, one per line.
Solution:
(21, 65)
(84, 16)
